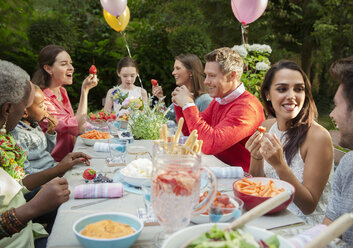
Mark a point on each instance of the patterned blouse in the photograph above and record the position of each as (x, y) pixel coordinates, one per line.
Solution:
(12, 157)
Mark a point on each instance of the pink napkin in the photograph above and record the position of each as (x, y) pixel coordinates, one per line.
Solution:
(305, 237)
(99, 190)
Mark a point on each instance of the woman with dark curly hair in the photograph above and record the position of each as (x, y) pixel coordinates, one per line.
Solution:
(296, 148)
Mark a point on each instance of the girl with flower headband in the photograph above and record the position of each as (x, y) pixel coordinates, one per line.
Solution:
(127, 71)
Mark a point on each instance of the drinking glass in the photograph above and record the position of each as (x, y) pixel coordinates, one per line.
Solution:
(113, 127)
(176, 177)
(146, 194)
(117, 149)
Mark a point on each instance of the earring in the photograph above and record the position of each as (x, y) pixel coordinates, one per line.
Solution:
(267, 99)
(3, 129)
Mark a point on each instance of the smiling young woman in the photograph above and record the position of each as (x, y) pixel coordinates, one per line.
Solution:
(296, 147)
(55, 71)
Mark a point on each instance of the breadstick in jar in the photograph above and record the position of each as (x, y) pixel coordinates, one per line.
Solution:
(178, 132)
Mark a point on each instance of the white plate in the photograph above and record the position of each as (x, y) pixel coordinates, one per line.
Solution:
(179, 238)
(205, 218)
(134, 181)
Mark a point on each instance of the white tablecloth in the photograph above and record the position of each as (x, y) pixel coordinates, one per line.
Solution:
(62, 234)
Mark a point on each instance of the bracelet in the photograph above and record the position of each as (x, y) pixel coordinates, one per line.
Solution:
(9, 223)
(256, 158)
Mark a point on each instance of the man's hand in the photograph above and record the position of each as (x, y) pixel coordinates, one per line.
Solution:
(181, 96)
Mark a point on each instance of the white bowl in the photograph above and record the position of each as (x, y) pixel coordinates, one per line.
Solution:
(134, 181)
(90, 142)
(205, 218)
(180, 238)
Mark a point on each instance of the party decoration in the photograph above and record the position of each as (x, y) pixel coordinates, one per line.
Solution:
(114, 7)
(247, 11)
(120, 23)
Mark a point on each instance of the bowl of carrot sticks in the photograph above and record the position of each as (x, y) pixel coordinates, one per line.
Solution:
(255, 190)
(93, 136)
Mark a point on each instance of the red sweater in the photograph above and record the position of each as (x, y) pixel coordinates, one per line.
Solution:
(225, 129)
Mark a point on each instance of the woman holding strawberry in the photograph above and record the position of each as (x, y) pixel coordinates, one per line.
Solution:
(127, 72)
(55, 71)
(296, 148)
(188, 71)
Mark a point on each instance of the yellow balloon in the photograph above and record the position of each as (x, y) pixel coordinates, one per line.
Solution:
(120, 23)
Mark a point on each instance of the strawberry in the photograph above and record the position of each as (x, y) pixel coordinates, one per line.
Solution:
(89, 174)
(93, 70)
(261, 129)
(113, 116)
(154, 82)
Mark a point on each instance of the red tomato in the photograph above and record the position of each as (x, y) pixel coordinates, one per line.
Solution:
(223, 199)
(93, 70)
(154, 82)
(89, 174)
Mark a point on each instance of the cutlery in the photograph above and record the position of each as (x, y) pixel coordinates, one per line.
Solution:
(257, 211)
(334, 230)
(89, 203)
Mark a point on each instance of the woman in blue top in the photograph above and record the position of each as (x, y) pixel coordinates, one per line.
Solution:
(188, 71)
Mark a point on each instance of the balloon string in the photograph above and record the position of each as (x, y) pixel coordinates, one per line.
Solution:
(128, 50)
(243, 27)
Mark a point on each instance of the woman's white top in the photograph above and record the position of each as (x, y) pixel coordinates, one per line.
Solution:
(297, 168)
(134, 93)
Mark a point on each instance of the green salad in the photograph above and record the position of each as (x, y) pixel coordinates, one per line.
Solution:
(220, 238)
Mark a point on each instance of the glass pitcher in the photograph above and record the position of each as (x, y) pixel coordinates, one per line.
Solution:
(176, 178)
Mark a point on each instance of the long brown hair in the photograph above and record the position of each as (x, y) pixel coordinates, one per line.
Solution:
(47, 56)
(193, 64)
(297, 127)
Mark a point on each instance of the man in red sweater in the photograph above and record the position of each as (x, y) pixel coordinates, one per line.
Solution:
(233, 115)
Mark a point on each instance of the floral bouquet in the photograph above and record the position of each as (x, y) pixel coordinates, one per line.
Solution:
(133, 104)
(256, 63)
(146, 124)
(124, 115)
(118, 96)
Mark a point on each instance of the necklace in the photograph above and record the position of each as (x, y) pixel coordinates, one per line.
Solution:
(58, 95)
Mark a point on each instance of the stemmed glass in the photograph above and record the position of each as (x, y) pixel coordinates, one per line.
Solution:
(176, 187)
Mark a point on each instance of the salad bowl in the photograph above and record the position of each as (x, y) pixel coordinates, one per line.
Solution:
(180, 238)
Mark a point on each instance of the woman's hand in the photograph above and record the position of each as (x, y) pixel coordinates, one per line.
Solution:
(253, 145)
(90, 82)
(51, 196)
(52, 123)
(72, 159)
(271, 150)
(157, 91)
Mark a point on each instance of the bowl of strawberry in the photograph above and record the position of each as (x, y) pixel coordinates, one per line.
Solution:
(222, 209)
(100, 119)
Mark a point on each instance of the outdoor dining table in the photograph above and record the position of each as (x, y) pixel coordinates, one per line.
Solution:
(62, 234)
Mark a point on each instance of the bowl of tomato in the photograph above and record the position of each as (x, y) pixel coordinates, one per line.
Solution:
(222, 209)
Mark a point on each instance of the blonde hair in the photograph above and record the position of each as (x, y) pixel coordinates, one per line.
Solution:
(228, 60)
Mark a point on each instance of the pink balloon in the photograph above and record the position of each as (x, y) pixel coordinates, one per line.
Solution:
(247, 11)
(114, 7)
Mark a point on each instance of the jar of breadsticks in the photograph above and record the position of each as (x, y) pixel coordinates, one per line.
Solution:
(176, 176)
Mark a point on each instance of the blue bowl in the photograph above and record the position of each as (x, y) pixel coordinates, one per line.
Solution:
(123, 242)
